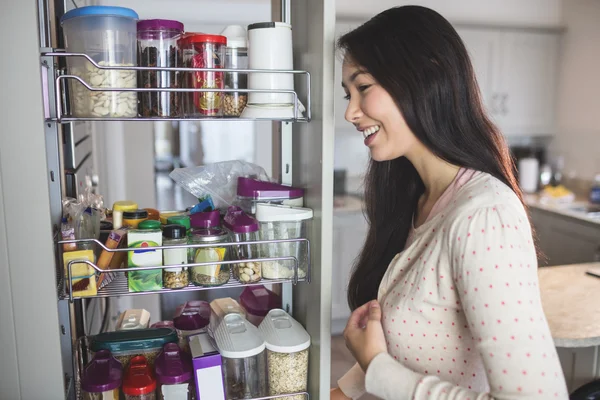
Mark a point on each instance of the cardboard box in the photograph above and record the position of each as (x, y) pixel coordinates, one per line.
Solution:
(208, 368)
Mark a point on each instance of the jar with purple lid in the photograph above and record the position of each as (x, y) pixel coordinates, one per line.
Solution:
(102, 377)
(206, 219)
(157, 47)
(215, 273)
(174, 374)
(244, 228)
(191, 321)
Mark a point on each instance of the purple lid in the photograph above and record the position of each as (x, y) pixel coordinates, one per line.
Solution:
(102, 374)
(172, 366)
(237, 221)
(192, 319)
(258, 300)
(159, 24)
(262, 190)
(207, 219)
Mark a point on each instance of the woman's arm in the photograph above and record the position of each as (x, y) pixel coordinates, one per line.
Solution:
(495, 272)
(352, 384)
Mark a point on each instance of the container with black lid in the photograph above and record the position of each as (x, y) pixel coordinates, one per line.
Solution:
(178, 277)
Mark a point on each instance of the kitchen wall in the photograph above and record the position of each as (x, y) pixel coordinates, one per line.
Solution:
(578, 139)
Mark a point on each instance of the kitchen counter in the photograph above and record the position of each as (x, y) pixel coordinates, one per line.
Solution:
(533, 200)
(570, 301)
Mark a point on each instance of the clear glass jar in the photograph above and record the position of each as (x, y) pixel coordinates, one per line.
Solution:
(175, 278)
(204, 51)
(234, 103)
(212, 274)
(157, 47)
(288, 373)
(244, 228)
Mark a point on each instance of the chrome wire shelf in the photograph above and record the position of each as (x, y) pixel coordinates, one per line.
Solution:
(117, 284)
(64, 117)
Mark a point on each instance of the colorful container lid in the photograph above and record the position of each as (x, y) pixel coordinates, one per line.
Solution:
(238, 338)
(163, 324)
(206, 38)
(125, 205)
(237, 221)
(159, 24)
(282, 333)
(102, 374)
(149, 224)
(258, 300)
(192, 319)
(174, 231)
(262, 190)
(207, 219)
(101, 11)
(137, 214)
(139, 379)
(180, 220)
(276, 212)
(172, 366)
(141, 339)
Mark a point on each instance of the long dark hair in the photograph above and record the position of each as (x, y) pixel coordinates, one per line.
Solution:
(419, 59)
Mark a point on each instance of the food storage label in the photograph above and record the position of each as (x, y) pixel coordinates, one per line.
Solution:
(174, 257)
(175, 392)
(209, 383)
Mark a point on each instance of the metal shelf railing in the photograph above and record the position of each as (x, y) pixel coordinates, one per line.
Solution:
(117, 284)
(64, 117)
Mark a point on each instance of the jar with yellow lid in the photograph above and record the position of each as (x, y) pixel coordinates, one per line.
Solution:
(165, 215)
(119, 207)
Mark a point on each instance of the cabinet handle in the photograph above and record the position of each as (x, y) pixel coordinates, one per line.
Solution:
(504, 108)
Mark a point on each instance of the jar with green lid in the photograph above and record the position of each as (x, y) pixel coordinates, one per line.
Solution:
(212, 274)
(149, 224)
(175, 278)
(183, 220)
(132, 219)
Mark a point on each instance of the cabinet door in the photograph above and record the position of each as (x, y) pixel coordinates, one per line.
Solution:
(339, 102)
(525, 83)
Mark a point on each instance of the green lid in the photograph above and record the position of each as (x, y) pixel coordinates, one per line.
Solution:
(137, 339)
(149, 224)
(180, 220)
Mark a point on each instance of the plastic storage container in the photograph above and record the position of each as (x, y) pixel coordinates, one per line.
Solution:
(133, 319)
(157, 47)
(283, 222)
(244, 358)
(175, 278)
(119, 207)
(204, 51)
(124, 345)
(192, 320)
(212, 274)
(258, 301)
(206, 219)
(252, 191)
(102, 377)
(139, 382)
(236, 57)
(243, 228)
(174, 374)
(220, 308)
(108, 36)
(287, 354)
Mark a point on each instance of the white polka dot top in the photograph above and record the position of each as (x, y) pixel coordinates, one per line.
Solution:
(461, 306)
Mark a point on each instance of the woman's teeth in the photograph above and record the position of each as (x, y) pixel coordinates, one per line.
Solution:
(371, 130)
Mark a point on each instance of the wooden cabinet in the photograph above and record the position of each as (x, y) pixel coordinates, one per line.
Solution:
(565, 240)
(517, 72)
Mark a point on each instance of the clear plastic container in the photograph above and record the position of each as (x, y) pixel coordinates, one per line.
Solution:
(102, 377)
(287, 354)
(283, 222)
(258, 301)
(157, 47)
(174, 374)
(250, 192)
(124, 345)
(139, 382)
(108, 35)
(244, 358)
(220, 308)
(212, 274)
(193, 319)
(244, 228)
(204, 51)
(236, 57)
(175, 278)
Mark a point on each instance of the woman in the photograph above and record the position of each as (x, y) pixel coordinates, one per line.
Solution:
(449, 255)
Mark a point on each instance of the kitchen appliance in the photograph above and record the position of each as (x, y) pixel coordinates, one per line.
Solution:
(529, 172)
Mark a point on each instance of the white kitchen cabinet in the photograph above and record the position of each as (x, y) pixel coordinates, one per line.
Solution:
(517, 73)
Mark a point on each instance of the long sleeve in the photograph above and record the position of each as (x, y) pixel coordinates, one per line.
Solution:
(494, 271)
(352, 384)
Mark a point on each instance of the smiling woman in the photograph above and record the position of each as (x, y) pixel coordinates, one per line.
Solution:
(445, 295)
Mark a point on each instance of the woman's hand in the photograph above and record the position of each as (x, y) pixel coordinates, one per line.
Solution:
(364, 334)
(337, 394)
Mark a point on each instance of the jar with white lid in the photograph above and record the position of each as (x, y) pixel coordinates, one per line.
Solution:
(287, 345)
(244, 359)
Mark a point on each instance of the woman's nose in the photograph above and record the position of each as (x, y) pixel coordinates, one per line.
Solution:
(353, 111)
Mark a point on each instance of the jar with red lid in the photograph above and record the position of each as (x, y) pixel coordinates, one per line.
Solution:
(139, 382)
(204, 51)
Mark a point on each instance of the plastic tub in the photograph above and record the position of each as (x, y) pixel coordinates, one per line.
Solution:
(102, 377)
(174, 374)
(192, 320)
(124, 345)
(139, 382)
(108, 36)
(258, 301)
(287, 354)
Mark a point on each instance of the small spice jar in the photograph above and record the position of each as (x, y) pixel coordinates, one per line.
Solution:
(175, 278)
(212, 274)
(139, 382)
(157, 47)
(204, 51)
(132, 219)
(102, 377)
(244, 228)
(149, 224)
(174, 374)
(236, 57)
(119, 207)
(182, 220)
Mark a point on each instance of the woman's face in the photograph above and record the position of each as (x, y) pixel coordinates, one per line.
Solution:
(374, 113)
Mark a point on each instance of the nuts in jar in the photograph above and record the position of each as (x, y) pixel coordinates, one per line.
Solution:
(247, 272)
(234, 104)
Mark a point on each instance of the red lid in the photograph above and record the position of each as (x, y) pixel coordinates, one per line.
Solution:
(206, 38)
(139, 378)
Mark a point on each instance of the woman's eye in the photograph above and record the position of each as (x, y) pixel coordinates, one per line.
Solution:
(347, 97)
(362, 88)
